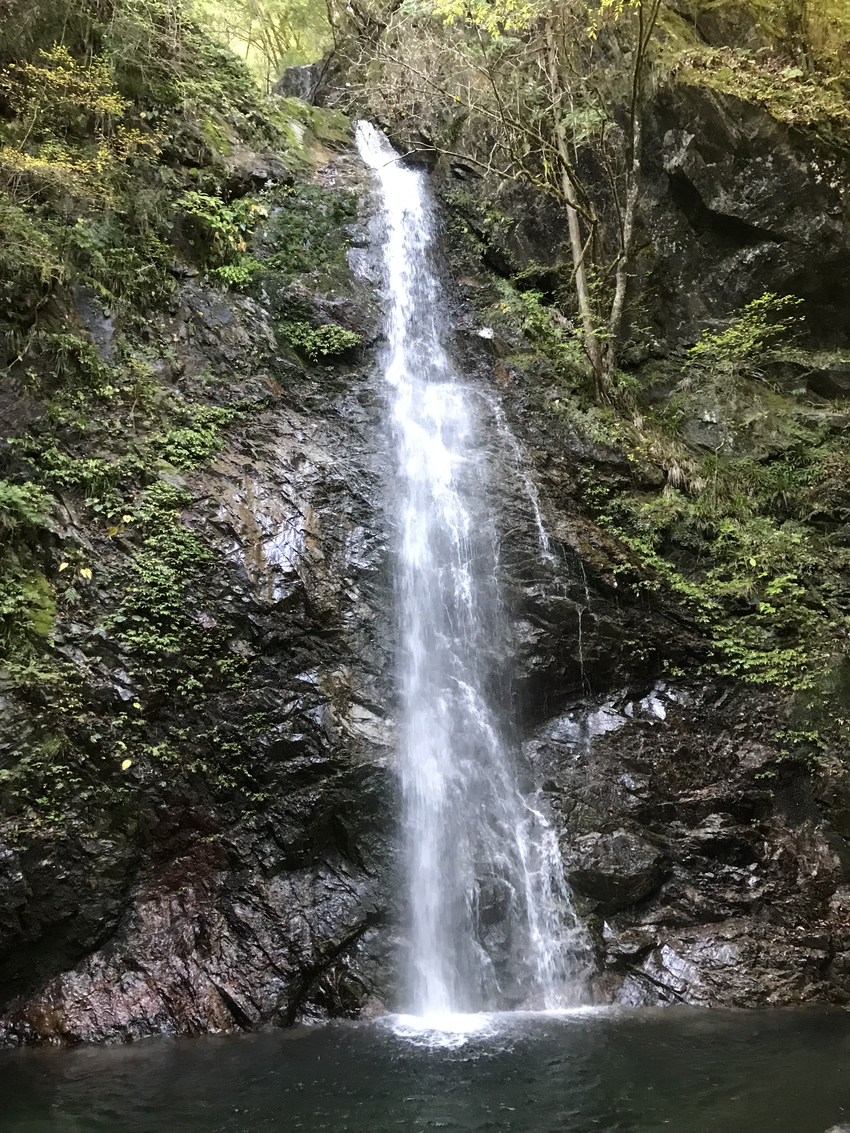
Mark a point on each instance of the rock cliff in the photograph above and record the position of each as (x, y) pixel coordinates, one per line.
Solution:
(199, 830)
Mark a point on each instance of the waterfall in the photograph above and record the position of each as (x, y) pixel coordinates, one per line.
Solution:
(490, 921)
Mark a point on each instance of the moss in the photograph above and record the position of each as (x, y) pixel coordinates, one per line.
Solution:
(41, 605)
(303, 234)
(785, 92)
(118, 579)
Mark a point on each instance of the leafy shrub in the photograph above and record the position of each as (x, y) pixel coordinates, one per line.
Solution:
(760, 325)
(785, 92)
(22, 506)
(30, 259)
(68, 132)
(238, 274)
(27, 606)
(324, 341)
(64, 471)
(191, 445)
(120, 260)
(223, 227)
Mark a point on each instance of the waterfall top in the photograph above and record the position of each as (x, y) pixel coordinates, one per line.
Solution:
(374, 147)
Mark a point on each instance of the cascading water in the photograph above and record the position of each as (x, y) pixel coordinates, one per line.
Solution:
(491, 925)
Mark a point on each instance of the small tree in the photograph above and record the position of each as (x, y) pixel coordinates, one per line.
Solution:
(547, 82)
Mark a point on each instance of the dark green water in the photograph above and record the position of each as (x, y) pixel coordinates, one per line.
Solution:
(669, 1071)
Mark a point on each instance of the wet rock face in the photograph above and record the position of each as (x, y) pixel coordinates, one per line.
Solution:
(251, 879)
(230, 937)
(705, 876)
(201, 917)
(738, 203)
(616, 869)
(707, 871)
(299, 82)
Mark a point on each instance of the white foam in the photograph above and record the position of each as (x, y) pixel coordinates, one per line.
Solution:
(451, 1030)
(440, 1029)
(473, 838)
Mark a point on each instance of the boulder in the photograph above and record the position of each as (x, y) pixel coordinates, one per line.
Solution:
(299, 82)
(616, 869)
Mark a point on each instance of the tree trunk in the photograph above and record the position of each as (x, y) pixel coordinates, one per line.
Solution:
(592, 344)
(633, 186)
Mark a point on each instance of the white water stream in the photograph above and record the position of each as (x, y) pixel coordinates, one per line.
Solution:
(490, 922)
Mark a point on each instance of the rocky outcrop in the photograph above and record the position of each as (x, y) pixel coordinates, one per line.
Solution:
(248, 878)
(300, 81)
(738, 203)
(241, 877)
(735, 201)
(708, 874)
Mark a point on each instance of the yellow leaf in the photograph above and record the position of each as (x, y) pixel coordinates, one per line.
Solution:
(137, 705)
(127, 763)
(112, 531)
(85, 572)
(126, 519)
(63, 566)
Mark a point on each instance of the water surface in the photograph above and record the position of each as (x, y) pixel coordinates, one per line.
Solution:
(651, 1071)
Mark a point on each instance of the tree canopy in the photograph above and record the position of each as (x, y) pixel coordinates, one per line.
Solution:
(269, 35)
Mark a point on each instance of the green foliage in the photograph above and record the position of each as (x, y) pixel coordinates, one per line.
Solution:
(192, 444)
(67, 133)
(323, 342)
(134, 110)
(237, 275)
(494, 17)
(62, 470)
(27, 605)
(31, 261)
(303, 232)
(43, 779)
(761, 324)
(498, 17)
(22, 506)
(122, 265)
(223, 227)
(738, 542)
(152, 621)
(792, 94)
(544, 326)
(71, 370)
(758, 591)
(268, 34)
(100, 150)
